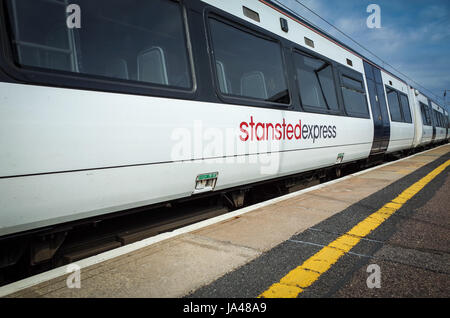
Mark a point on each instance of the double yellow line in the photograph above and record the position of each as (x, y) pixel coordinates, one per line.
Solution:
(295, 282)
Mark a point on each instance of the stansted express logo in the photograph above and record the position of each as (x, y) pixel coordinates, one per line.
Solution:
(258, 131)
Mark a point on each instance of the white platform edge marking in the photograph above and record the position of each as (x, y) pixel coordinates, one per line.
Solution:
(61, 271)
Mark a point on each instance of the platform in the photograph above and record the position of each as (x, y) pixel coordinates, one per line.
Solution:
(262, 250)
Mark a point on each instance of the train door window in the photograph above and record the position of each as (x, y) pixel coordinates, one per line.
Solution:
(405, 108)
(242, 67)
(316, 83)
(435, 117)
(133, 40)
(394, 106)
(425, 114)
(438, 119)
(354, 96)
(428, 111)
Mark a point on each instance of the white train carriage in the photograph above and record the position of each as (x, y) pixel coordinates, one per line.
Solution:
(153, 101)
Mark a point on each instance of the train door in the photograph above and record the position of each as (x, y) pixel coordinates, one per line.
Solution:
(382, 128)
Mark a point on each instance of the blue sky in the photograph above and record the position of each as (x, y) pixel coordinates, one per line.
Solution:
(414, 36)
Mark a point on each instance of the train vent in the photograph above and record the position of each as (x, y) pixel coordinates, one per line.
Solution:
(284, 25)
(309, 42)
(251, 14)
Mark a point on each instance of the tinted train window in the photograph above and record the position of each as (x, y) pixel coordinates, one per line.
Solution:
(425, 114)
(316, 83)
(354, 97)
(248, 65)
(120, 39)
(394, 105)
(438, 118)
(436, 122)
(405, 107)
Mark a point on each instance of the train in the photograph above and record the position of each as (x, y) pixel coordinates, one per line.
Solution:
(143, 103)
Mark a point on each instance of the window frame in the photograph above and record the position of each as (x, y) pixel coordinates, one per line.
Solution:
(90, 82)
(428, 120)
(400, 94)
(388, 89)
(297, 83)
(356, 76)
(402, 114)
(244, 26)
(438, 116)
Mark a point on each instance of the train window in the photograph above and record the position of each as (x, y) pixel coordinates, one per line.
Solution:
(425, 114)
(436, 122)
(354, 96)
(242, 68)
(316, 83)
(429, 114)
(394, 106)
(127, 40)
(439, 119)
(405, 107)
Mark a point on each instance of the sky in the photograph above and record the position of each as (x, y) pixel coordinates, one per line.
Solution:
(414, 36)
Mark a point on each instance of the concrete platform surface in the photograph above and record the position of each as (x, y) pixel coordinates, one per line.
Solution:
(243, 256)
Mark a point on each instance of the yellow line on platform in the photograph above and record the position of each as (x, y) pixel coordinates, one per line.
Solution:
(295, 282)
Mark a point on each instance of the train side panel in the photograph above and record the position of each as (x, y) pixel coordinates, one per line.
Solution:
(69, 154)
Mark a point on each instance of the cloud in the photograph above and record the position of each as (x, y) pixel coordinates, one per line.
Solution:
(435, 12)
